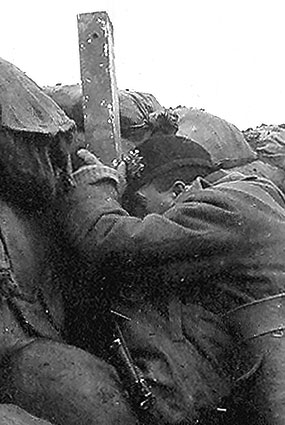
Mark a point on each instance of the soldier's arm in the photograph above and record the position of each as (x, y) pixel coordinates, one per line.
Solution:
(100, 229)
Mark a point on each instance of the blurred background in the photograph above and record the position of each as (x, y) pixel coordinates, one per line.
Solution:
(225, 56)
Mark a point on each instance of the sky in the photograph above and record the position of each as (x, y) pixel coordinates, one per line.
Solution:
(225, 56)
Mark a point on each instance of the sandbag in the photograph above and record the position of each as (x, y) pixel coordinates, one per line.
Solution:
(141, 114)
(14, 415)
(269, 143)
(135, 107)
(24, 106)
(135, 114)
(35, 135)
(69, 98)
(223, 140)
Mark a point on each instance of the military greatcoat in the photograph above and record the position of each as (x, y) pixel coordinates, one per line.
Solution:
(181, 278)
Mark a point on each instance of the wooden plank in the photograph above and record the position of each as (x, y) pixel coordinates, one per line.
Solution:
(100, 93)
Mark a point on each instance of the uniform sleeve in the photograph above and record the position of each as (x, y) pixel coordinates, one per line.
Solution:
(207, 223)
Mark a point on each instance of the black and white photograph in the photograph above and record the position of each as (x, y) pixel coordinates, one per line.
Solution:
(142, 212)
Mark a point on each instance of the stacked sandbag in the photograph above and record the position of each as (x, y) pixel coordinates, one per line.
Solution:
(259, 151)
(34, 138)
(14, 415)
(225, 142)
(69, 98)
(141, 115)
(268, 141)
(135, 107)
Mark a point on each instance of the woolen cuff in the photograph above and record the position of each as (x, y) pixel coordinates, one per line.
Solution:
(92, 174)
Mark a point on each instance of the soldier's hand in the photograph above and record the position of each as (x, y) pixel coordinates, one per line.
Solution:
(89, 158)
(93, 171)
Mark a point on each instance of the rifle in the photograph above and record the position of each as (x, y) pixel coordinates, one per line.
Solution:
(131, 376)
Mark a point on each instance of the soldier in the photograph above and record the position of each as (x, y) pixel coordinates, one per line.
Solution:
(196, 272)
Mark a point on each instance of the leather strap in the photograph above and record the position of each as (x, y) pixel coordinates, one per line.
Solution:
(258, 318)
